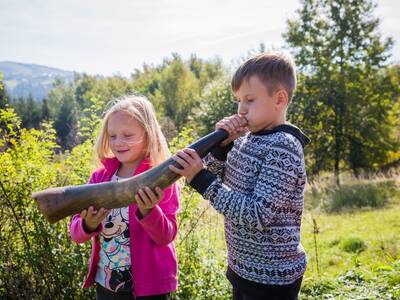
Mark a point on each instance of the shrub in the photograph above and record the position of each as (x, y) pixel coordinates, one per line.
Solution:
(352, 244)
(201, 271)
(364, 194)
(373, 193)
(37, 260)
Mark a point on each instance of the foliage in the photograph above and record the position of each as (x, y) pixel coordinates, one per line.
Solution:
(374, 194)
(180, 91)
(4, 98)
(355, 194)
(217, 102)
(352, 244)
(345, 271)
(347, 98)
(348, 102)
(66, 124)
(29, 110)
(384, 284)
(201, 271)
(37, 260)
(41, 261)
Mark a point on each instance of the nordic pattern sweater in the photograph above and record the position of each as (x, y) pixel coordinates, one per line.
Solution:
(258, 186)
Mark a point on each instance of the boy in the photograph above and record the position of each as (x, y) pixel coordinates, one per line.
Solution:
(257, 182)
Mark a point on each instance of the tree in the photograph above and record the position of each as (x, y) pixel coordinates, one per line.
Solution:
(45, 110)
(217, 103)
(32, 116)
(57, 95)
(342, 93)
(206, 71)
(175, 88)
(147, 82)
(29, 111)
(180, 91)
(66, 124)
(92, 96)
(4, 98)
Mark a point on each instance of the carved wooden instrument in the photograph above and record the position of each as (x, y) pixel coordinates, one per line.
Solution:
(60, 202)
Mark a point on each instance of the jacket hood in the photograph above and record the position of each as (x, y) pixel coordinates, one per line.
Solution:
(288, 128)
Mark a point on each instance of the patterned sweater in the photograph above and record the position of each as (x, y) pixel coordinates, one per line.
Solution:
(260, 191)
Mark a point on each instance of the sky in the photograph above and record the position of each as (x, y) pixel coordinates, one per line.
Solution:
(115, 37)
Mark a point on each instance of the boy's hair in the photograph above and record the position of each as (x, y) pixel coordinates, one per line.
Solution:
(273, 69)
(142, 111)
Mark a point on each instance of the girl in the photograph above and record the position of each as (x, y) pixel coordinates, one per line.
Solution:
(133, 255)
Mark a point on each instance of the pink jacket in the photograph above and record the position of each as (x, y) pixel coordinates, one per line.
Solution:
(153, 257)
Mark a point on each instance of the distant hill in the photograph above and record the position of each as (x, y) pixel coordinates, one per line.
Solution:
(24, 79)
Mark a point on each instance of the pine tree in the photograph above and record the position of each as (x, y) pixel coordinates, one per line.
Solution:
(4, 98)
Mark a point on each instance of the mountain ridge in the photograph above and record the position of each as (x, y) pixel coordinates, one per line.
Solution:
(24, 79)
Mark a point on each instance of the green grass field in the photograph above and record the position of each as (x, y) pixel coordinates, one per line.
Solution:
(358, 249)
(358, 254)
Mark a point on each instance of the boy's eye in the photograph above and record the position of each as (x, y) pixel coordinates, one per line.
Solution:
(250, 100)
(112, 136)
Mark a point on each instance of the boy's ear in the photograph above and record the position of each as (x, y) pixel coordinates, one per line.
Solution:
(282, 98)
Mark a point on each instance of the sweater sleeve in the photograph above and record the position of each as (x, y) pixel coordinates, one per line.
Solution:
(215, 160)
(276, 182)
(77, 231)
(161, 223)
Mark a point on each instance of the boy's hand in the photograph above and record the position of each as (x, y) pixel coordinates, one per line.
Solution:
(92, 218)
(190, 161)
(146, 199)
(235, 125)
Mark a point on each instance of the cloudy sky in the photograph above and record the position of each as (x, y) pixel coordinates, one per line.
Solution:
(111, 37)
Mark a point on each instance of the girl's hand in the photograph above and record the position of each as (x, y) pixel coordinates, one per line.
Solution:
(146, 199)
(235, 125)
(190, 162)
(92, 218)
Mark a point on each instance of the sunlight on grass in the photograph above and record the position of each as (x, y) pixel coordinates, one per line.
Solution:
(358, 248)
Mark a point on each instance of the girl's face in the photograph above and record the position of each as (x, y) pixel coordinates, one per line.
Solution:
(127, 138)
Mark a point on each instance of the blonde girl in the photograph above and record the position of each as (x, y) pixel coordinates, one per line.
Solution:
(133, 255)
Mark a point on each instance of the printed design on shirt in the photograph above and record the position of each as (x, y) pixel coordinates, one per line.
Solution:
(115, 251)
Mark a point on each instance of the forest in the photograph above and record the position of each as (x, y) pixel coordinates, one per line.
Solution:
(347, 101)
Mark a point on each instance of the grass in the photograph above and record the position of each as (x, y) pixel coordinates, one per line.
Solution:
(365, 240)
(358, 246)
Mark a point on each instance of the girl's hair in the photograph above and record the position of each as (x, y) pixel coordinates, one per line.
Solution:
(142, 111)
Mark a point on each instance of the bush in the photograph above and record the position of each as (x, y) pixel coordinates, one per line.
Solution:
(374, 193)
(201, 270)
(353, 245)
(364, 194)
(37, 260)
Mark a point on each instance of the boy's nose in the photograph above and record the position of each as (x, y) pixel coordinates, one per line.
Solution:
(242, 111)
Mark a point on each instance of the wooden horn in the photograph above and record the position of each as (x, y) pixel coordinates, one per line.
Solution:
(60, 202)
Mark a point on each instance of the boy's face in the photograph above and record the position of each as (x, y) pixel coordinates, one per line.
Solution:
(261, 109)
